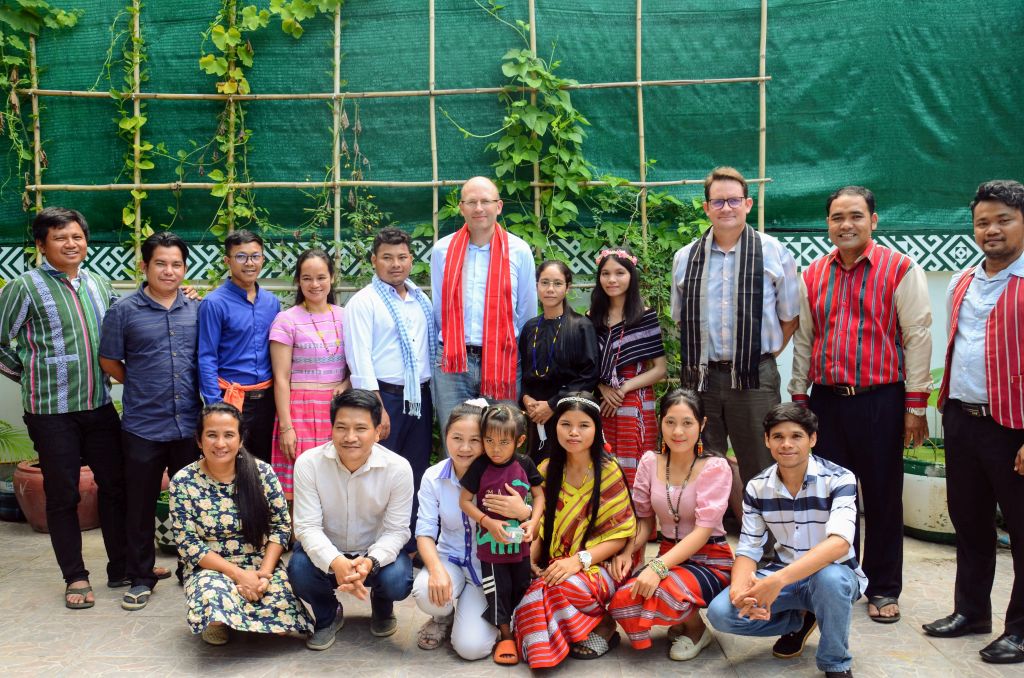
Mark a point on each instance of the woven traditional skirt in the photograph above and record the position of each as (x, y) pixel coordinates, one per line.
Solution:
(634, 428)
(311, 417)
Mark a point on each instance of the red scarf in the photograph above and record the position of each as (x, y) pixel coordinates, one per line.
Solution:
(499, 350)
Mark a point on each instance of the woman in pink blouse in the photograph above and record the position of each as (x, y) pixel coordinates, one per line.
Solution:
(688, 492)
(307, 352)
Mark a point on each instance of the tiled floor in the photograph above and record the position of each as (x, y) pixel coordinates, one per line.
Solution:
(38, 636)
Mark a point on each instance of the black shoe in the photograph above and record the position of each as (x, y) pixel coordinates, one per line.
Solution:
(839, 674)
(1006, 649)
(956, 625)
(792, 644)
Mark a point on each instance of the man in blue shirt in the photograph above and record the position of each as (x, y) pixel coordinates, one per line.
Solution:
(149, 344)
(810, 506)
(234, 344)
(480, 206)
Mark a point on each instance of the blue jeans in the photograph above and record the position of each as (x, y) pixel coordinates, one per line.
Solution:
(316, 588)
(829, 593)
(451, 389)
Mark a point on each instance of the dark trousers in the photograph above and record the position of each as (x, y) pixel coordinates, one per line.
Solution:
(864, 434)
(144, 464)
(412, 438)
(979, 474)
(258, 423)
(504, 585)
(64, 442)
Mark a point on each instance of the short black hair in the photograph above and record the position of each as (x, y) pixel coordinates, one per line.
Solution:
(868, 196)
(358, 399)
(1006, 191)
(240, 237)
(390, 235)
(799, 415)
(51, 218)
(164, 239)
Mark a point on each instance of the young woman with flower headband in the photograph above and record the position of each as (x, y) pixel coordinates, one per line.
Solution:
(685, 492)
(307, 353)
(632, 358)
(558, 354)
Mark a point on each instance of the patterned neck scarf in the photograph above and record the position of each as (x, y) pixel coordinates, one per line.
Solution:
(410, 367)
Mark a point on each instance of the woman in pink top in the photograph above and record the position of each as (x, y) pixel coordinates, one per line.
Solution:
(688, 492)
(307, 352)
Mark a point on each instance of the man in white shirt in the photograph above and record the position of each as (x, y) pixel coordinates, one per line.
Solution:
(353, 499)
(389, 327)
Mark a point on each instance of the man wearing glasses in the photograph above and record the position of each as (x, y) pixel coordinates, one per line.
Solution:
(736, 298)
(234, 345)
(482, 282)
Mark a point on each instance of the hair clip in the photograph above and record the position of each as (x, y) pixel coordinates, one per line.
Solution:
(477, 402)
(620, 253)
(581, 401)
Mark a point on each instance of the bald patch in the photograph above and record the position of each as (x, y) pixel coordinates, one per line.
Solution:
(481, 183)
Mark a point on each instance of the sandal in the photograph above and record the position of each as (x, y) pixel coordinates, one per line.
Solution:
(882, 601)
(505, 653)
(594, 646)
(161, 573)
(433, 633)
(136, 597)
(216, 634)
(78, 591)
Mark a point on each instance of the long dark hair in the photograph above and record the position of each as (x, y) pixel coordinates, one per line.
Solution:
(570, 350)
(633, 308)
(680, 396)
(253, 508)
(303, 258)
(574, 402)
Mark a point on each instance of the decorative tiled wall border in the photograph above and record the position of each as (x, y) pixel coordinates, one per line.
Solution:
(935, 252)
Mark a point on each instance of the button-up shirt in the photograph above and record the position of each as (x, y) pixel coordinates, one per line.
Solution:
(968, 380)
(440, 518)
(158, 346)
(373, 350)
(781, 295)
(825, 505)
(866, 326)
(365, 512)
(233, 338)
(55, 323)
(474, 284)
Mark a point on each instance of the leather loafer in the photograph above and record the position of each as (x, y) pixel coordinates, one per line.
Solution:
(956, 625)
(1006, 649)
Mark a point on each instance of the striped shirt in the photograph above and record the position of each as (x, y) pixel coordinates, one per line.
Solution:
(317, 342)
(621, 347)
(826, 504)
(866, 326)
(49, 339)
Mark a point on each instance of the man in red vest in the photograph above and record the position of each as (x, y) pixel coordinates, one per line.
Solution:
(982, 402)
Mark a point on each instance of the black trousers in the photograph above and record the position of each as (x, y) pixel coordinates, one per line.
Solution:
(979, 474)
(258, 415)
(412, 438)
(864, 434)
(144, 464)
(64, 443)
(504, 585)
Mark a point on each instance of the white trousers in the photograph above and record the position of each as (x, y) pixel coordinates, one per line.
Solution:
(472, 636)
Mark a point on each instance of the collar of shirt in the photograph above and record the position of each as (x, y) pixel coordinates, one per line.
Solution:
(142, 299)
(54, 272)
(780, 486)
(1016, 268)
(375, 460)
(233, 287)
(868, 254)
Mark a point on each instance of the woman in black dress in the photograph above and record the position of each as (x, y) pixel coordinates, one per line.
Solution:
(558, 354)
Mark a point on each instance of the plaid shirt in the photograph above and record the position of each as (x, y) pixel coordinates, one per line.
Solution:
(49, 339)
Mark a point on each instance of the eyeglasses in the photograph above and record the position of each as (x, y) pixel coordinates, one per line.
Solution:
(242, 258)
(719, 203)
(556, 284)
(478, 203)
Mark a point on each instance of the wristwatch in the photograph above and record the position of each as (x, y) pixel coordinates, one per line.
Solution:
(375, 565)
(917, 411)
(585, 559)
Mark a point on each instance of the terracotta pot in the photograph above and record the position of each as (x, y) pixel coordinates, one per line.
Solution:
(28, 487)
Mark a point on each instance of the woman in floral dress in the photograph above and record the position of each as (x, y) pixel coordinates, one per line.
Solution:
(231, 523)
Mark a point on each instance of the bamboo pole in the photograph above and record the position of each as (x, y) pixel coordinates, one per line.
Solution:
(431, 83)
(762, 115)
(230, 162)
(137, 142)
(533, 102)
(37, 144)
(305, 96)
(194, 186)
(640, 122)
(336, 149)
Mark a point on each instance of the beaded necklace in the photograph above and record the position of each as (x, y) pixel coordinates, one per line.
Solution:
(674, 510)
(551, 349)
(319, 333)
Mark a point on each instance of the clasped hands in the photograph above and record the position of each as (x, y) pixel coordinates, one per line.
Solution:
(611, 399)
(251, 584)
(754, 598)
(538, 411)
(558, 571)
(351, 575)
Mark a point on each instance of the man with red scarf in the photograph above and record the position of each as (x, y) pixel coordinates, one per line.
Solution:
(483, 284)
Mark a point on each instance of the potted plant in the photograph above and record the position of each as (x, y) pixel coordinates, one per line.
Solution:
(15, 447)
(925, 514)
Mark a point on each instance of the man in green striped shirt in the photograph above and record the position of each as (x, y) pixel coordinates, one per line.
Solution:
(50, 319)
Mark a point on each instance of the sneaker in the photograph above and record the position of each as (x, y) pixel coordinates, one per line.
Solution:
(839, 674)
(792, 644)
(382, 627)
(322, 639)
(216, 634)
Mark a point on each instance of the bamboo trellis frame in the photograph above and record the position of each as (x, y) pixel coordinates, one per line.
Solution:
(337, 98)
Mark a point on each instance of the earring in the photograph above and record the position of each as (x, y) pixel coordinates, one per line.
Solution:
(664, 447)
(700, 449)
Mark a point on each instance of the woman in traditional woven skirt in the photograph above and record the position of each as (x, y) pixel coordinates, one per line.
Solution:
(632, 358)
(558, 353)
(587, 520)
(307, 352)
(688, 492)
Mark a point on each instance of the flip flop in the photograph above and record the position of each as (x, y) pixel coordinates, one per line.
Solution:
(136, 597)
(879, 602)
(161, 573)
(78, 591)
(505, 653)
(594, 646)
